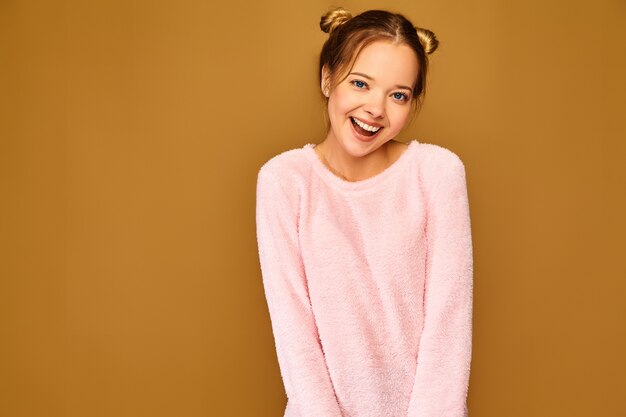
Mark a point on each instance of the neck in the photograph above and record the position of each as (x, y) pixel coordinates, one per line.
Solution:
(353, 168)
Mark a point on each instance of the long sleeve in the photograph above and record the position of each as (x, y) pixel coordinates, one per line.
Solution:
(445, 348)
(301, 359)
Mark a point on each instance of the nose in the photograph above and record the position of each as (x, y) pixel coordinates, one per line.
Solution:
(375, 106)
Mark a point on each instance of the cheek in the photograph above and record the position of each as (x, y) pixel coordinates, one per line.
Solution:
(400, 117)
(333, 112)
(340, 102)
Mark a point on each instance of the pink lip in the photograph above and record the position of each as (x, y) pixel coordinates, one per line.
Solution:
(374, 124)
(361, 137)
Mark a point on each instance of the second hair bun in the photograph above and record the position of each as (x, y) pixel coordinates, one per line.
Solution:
(427, 39)
(334, 18)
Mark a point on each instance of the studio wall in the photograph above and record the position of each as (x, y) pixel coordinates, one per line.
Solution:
(131, 133)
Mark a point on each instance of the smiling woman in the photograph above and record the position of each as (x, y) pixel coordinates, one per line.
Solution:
(383, 54)
(365, 242)
(370, 104)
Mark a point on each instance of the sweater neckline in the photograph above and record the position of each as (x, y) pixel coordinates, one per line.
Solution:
(344, 184)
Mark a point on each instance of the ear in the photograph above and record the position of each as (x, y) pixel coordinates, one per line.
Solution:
(325, 85)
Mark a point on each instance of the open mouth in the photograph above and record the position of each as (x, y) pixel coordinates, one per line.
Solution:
(364, 129)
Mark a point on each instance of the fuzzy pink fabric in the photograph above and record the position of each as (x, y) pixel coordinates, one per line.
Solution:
(369, 284)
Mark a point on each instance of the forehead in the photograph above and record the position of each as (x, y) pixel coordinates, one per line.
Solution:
(388, 62)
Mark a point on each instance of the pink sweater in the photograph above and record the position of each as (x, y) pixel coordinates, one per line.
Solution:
(369, 284)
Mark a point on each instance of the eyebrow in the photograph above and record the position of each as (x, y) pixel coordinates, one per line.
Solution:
(404, 87)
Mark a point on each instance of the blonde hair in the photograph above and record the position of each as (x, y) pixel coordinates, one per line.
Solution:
(348, 35)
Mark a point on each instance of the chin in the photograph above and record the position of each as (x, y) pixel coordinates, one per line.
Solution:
(357, 148)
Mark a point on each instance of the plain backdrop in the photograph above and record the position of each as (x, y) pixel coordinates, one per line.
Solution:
(131, 133)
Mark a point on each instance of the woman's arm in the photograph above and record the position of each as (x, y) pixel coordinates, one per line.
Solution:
(302, 363)
(445, 348)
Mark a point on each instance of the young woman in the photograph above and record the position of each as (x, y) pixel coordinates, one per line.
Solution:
(365, 243)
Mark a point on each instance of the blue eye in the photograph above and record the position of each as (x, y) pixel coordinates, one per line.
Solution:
(358, 83)
(400, 96)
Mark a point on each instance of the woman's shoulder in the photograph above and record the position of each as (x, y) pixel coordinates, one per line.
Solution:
(438, 164)
(438, 156)
(285, 165)
(284, 160)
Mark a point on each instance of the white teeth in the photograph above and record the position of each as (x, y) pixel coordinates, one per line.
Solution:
(365, 126)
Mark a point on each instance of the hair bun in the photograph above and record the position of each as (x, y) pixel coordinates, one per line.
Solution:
(427, 39)
(334, 18)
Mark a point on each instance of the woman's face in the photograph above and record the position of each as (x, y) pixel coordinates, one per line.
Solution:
(372, 104)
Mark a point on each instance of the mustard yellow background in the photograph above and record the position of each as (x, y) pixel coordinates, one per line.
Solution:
(131, 133)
